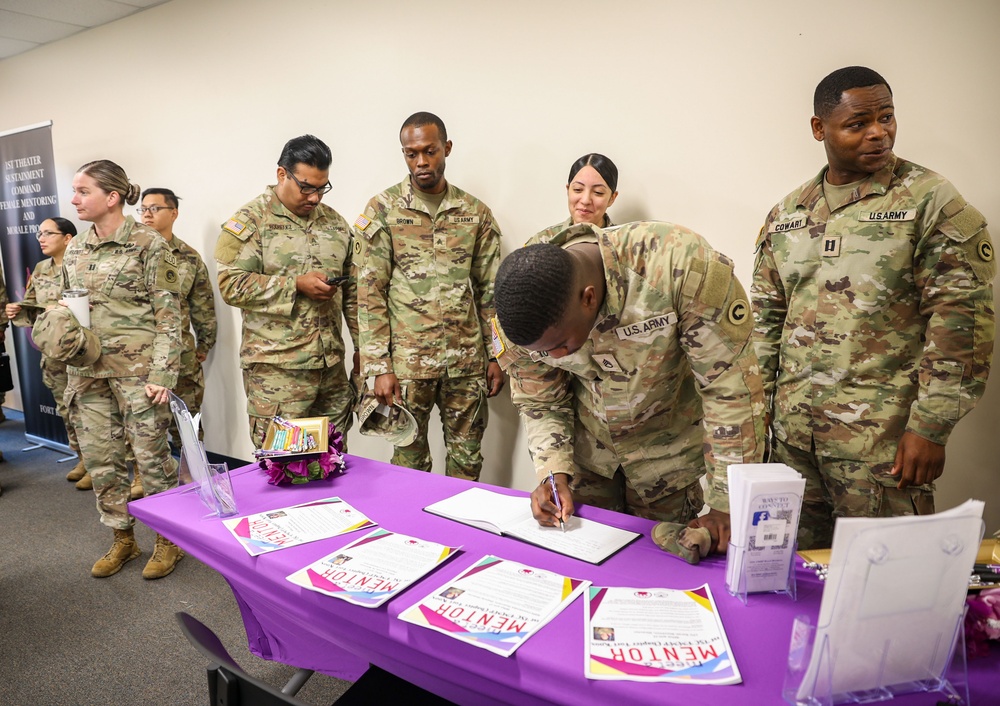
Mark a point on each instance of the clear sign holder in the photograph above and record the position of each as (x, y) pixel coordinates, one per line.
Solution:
(210, 479)
(741, 587)
(895, 624)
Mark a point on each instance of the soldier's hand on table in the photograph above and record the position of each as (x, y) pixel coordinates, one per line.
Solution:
(717, 524)
(544, 508)
(918, 461)
(387, 389)
(12, 310)
(158, 394)
(314, 286)
(494, 379)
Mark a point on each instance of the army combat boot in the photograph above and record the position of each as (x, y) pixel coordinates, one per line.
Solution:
(85, 482)
(166, 554)
(135, 490)
(123, 550)
(77, 473)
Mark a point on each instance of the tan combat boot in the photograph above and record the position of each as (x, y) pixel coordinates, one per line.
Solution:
(85, 483)
(136, 491)
(123, 550)
(166, 554)
(77, 473)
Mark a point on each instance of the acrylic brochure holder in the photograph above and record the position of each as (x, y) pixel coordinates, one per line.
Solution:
(211, 480)
(892, 616)
(742, 577)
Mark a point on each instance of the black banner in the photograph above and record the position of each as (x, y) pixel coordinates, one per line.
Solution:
(29, 196)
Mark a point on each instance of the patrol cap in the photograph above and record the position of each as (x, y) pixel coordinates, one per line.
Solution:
(395, 424)
(59, 335)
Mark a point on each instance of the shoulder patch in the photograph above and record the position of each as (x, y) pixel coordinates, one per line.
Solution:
(234, 226)
(166, 275)
(985, 249)
(362, 222)
(738, 312)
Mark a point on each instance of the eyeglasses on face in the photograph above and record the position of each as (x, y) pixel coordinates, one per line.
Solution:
(153, 209)
(309, 189)
(47, 234)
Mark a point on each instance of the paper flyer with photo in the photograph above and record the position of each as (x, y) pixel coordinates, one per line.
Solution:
(495, 604)
(657, 634)
(373, 569)
(299, 524)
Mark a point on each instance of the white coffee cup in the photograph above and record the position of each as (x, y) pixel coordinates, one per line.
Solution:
(78, 301)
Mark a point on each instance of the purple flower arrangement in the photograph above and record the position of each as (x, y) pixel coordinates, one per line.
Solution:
(982, 622)
(309, 467)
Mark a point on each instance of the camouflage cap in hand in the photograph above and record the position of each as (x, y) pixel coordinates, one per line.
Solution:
(691, 544)
(59, 335)
(394, 424)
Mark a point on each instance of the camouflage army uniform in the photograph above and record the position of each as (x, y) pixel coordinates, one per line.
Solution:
(549, 233)
(133, 283)
(293, 352)
(873, 319)
(666, 386)
(197, 311)
(45, 287)
(425, 293)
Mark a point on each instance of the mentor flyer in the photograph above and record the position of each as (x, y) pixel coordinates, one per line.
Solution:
(373, 569)
(299, 524)
(496, 604)
(657, 634)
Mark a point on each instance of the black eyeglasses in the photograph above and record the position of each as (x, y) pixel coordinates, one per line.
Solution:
(153, 209)
(309, 189)
(47, 234)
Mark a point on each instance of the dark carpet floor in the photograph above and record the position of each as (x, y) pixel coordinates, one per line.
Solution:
(67, 638)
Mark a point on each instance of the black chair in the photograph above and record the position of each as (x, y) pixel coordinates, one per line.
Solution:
(229, 685)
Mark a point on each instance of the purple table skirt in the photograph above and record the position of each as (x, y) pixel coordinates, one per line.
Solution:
(295, 626)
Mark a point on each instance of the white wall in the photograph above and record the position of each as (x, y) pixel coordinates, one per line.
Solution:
(704, 106)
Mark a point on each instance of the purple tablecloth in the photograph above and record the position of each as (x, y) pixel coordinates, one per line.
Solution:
(295, 626)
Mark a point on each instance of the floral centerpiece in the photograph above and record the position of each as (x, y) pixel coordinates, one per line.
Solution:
(308, 467)
(982, 622)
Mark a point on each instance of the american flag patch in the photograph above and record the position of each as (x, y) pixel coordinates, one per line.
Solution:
(497, 339)
(362, 222)
(234, 226)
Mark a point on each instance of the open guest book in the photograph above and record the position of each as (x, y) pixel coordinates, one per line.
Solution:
(510, 516)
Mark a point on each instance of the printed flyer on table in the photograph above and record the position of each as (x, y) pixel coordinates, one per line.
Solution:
(373, 569)
(299, 524)
(657, 634)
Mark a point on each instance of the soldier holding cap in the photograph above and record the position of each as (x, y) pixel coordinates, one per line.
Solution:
(120, 398)
(277, 257)
(875, 324)
(632, 370)
(426, 253)
(44, 289)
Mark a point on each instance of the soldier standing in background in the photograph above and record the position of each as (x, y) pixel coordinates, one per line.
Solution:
(426, 253)
(875, 324)
(45, 288)
(632, 370)
(159, 211)
(277, 256)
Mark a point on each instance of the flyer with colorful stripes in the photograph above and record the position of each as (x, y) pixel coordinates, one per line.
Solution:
(495, 604)
(377, 567)
(657, 634)
(284, 527)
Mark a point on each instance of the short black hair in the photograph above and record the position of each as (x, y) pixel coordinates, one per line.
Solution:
(830, 89)
(533, 288)
(305, 149)
(604, 166)
(169, 196)
(425, 118)
(66, 226)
